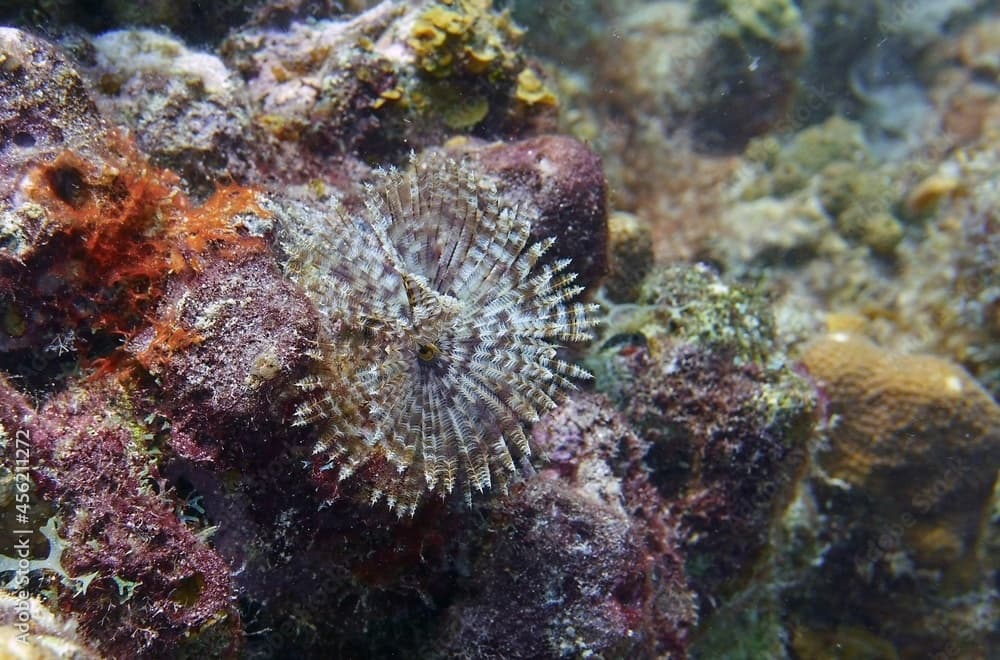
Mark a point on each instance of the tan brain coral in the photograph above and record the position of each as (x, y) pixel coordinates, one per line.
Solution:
(915, 428)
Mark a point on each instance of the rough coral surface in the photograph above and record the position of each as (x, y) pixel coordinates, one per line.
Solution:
(696, 371)
(224, 348)
(399, 77)
(91, 229)
(592, 513)
(315, 91)
(725, 448)
(185, 107)
(154, 586)
(904, 489)
(608, 606)
(564, 180)
(487, 581)
(46, 108)
(899, 416)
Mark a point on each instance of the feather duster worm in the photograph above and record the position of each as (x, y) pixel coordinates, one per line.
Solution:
(441, 325)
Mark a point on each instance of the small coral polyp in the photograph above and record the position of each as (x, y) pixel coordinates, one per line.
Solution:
(441, 328)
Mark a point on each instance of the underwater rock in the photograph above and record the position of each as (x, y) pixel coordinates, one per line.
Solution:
(842, 33)
(695, 370)
(769, 35)
(196, 21)
(948, 291)
(651, 67)
(566, 31)
(792, 165)
(76, 258)
(564, 180)
(46, 109)
(630, 256)
(861, 203)
(694, 304)
(91, 229)
(470, 74)
(442, 581)
(390, 80)
(699, 65)
(142, 581)
(585, 582)
(768, 233)
(166, 335)
(592, 514)
(726, 448)
(186, 110)
(117, 229)
(348, 576)
(315, 91)
(225, 346)
(901, 497)
(979, 47)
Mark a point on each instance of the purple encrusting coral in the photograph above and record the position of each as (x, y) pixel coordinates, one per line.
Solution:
(564, 180)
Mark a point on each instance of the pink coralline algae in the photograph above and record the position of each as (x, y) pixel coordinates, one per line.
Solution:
(153, 587)
(223, 377)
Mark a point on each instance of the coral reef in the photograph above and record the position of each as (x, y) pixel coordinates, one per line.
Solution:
(898, 417)
(317, 91)
(185, 108)
(902, 489)
(92, 230)
(153, 585)
(263, 264)
(831, 161)
(625, 597)
(693, 304)
(392, 79)
(430, 582)
(195, 20)
(725, 419)
(947, 298)
(628, 596)
(222, 377)
(469, 70)
(62, 173)
(861, 207)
